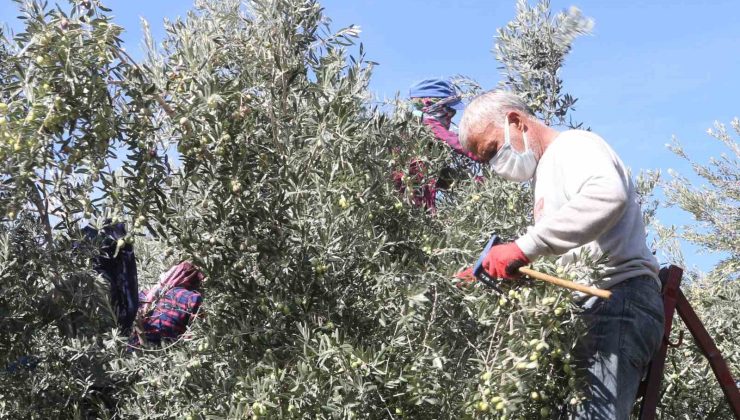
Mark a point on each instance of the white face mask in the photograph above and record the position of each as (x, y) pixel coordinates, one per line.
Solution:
(511, 164)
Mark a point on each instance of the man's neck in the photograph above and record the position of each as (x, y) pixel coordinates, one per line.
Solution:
(546, 135)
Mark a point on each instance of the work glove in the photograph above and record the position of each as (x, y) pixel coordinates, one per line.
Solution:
(466, 276)
(503, 261)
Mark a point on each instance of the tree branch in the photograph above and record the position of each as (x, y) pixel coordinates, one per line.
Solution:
(42, 207)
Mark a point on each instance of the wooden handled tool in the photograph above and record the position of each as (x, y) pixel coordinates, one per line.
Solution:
(481, 274)
(592, 291)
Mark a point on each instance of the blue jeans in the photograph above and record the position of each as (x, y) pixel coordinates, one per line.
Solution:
(623, 334)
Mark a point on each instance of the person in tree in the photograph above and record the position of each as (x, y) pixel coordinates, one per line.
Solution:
(436, 101)
(585, 204)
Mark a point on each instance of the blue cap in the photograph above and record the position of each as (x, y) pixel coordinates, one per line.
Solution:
(435, 88)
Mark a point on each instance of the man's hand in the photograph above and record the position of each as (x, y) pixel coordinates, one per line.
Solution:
(503, 261)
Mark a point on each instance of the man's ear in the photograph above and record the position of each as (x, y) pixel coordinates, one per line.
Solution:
(516, 118)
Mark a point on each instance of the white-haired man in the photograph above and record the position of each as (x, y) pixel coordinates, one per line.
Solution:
(584, 200)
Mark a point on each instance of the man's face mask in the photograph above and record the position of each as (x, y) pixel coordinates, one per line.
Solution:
(511, 164)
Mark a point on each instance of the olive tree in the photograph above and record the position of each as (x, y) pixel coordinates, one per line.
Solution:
(690, 389)
(246, 142)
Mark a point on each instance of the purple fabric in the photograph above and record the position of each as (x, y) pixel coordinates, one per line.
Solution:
(447, 136)
(424, 194)
(438, 119)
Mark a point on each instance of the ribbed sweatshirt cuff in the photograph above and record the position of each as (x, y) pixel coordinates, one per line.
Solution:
(529, 247)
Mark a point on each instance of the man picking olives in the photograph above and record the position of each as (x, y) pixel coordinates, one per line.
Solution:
(585, 200)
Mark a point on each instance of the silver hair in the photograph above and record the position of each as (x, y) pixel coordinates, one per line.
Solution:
(489, 107)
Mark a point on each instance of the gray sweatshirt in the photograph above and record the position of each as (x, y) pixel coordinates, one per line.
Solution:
(585, 199)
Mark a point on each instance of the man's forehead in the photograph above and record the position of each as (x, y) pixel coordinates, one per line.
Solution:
(481, 127)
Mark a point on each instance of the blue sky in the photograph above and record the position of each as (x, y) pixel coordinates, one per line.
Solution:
(650, 70)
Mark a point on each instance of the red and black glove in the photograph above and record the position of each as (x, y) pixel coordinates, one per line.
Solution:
(504, 261)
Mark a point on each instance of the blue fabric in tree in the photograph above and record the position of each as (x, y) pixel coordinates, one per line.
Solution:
(120, 271)
(437, 88)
